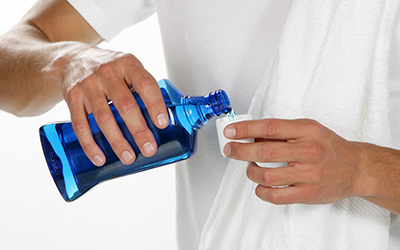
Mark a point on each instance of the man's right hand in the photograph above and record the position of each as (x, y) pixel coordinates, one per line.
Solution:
(60, 48)
(90, 78)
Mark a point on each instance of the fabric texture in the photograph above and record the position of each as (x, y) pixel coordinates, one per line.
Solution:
(316, 73)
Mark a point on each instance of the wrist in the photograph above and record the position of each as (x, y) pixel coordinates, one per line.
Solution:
(378, 171)
(66, 63)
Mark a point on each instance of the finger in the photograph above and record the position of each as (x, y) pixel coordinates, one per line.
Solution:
(81, 127)
(271, 128)
(146, 86)
(266, 151)
(271, 177)
(131, 114)
(287, 195)
(106, 122)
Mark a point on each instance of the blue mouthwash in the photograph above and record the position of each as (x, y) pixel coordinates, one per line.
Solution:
(231, 115)
(73, 172)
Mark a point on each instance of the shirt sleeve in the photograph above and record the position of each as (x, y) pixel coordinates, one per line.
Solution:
(110, 17)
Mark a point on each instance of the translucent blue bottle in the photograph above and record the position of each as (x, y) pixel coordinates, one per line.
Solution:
(74, 174)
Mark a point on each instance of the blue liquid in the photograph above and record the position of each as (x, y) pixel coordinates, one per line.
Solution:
(74, 174)
(231, 115)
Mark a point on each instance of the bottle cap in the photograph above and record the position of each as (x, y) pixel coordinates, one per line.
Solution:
(222, 123)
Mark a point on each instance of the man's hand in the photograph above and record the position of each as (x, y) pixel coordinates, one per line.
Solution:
(322, 167)
(90, 78)
(51, 54)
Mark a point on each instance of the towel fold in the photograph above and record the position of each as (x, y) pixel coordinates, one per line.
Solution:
(331, 65)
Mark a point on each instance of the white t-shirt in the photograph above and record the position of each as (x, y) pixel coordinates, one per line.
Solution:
(210, 45)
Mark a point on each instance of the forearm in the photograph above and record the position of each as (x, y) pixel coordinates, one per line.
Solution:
(24, 53)
(381, 176)
(29, 54)
(29, 83)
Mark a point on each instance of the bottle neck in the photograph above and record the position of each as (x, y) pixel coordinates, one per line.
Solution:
(199, 109)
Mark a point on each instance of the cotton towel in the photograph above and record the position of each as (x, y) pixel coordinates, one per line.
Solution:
(331, 65)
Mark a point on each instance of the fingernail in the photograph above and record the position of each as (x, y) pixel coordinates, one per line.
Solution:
(162, 120)
(97, 160)
(148, 148)
(230, 132)
(227, 149)
(126, 156)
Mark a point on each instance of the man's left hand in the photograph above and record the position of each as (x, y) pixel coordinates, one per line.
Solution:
(322, 167)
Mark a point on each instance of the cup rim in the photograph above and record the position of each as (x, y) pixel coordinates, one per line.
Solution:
(238, 118)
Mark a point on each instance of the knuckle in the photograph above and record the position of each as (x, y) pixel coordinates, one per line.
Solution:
(312, 126)
(267, 179)
(126, 105)
(238, 151)
(267, 152)
(73, 94)
(107, 69)
(131, 60)
(313, 152)
(146, 80)
(141, 131)
(116, 142)
(271, 127)
(103, 117)
(88, 146)
(88, 84)
(79, 127)
(261, 193)
(275, 197)
(155, 105)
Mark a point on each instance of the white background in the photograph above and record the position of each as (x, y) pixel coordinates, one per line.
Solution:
(134, 212)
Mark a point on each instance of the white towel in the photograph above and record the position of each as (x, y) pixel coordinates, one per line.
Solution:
(331, 65)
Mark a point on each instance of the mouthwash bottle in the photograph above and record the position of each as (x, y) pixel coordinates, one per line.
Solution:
(74, 174)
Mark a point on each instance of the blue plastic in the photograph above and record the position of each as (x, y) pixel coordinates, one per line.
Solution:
(74, 174)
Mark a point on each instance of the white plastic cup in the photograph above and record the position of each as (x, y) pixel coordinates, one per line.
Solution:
(225, 121)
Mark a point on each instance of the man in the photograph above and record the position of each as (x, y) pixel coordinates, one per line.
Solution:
(54, 47)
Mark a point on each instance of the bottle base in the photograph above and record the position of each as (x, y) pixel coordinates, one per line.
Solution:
(58, 163)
